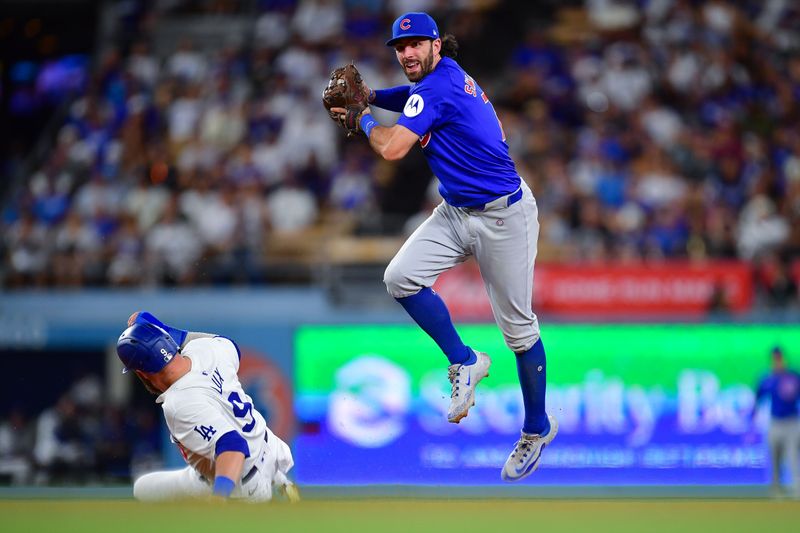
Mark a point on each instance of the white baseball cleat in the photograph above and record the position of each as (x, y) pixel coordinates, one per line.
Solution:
(527, 452)
(285, 487)
(463, 380)
(291, 492)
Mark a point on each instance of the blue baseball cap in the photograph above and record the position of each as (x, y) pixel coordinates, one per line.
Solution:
(413, 24)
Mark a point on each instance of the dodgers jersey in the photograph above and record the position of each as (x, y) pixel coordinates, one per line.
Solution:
(209, 402)
(461, 136)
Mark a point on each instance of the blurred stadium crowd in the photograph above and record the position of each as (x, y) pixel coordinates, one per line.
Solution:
(80, 439)
(648, 130)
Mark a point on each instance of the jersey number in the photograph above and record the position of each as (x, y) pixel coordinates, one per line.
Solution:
(241, 410)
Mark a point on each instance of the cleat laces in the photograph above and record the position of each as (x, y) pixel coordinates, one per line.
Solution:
(523, 448)
(452, 375)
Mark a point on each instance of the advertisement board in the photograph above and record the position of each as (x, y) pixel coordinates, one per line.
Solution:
(637, 404)
(671, 288)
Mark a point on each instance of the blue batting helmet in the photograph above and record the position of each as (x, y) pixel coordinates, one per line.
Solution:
(145, 347)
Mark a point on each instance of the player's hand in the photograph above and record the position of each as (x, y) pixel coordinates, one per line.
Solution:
(350, 117)
(342, 111)
(132, 318)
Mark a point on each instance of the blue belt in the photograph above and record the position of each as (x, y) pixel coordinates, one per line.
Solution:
(511, 199)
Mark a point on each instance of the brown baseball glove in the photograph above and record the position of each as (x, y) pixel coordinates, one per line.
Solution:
(346, 90)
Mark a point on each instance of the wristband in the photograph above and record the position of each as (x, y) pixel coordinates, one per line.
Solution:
(367, 123)
(223, 486)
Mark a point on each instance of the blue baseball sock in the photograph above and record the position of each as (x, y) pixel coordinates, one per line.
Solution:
(532, 372)
(430, 312)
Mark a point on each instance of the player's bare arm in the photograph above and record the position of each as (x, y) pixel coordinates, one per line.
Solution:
(390, 142)
(229, 465)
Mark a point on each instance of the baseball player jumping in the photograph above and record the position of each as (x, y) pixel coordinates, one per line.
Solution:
(488, 212)
(230, 451)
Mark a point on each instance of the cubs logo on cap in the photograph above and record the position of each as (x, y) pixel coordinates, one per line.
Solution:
(413, 24)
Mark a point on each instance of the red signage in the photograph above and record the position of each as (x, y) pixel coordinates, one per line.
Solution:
(270, 390)
(796, 274)
(614, 290)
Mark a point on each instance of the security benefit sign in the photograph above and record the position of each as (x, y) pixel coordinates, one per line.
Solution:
(636, 405)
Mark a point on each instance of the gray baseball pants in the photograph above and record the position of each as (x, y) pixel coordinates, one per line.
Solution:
(784, 447)
(503, 240)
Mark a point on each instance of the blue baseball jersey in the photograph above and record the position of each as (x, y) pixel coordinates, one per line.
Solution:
(461, 136)
(783, 388)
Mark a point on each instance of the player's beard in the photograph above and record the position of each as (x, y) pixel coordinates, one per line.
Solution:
(425, 68)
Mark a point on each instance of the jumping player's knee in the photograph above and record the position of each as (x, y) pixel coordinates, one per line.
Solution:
(520, 344)
(397, 284)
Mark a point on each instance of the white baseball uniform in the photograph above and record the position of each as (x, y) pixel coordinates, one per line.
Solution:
(202, 406)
